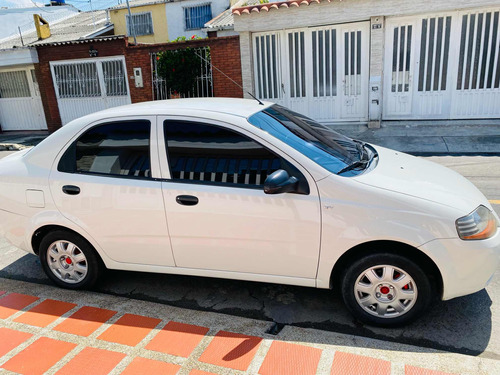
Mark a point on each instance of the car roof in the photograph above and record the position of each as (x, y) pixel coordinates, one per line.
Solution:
(231, 106)
(44, 153)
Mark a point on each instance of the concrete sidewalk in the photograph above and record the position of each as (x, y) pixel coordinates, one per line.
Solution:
(431, 137)
(44, 329)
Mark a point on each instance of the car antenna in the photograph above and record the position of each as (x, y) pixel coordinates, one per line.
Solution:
(225, 75)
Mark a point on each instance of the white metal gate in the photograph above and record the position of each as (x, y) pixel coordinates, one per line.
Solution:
(321, 72)
(20, 103)
(89, 85)
(444, 66)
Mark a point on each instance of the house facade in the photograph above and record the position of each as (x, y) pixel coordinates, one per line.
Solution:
(22, 87)
(163, 20)
(369, 60)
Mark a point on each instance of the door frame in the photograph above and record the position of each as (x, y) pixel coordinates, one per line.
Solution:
(34, 93)
(448, 106)
(102, 86)
(283, 70)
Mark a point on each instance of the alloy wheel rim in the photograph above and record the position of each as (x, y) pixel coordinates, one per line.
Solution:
(385, 291)
(67, 262)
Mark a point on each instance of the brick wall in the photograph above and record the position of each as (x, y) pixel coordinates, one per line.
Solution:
(66, 52)
(225, 54)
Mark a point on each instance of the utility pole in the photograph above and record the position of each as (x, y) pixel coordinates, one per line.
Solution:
(132, 27)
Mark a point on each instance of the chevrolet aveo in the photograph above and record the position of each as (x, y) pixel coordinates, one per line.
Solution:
(238, 189)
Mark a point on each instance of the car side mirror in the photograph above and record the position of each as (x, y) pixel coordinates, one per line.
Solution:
(280, 182)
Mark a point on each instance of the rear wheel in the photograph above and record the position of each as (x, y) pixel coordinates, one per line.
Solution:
(69, 260)
(386, 290)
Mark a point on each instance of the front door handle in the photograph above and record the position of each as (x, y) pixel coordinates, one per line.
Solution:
(71, 189)
(187, 200)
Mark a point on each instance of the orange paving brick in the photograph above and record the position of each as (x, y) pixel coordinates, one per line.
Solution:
(9, 339)
(85, 321)
(40, 356)
(13, 303)
(177, 339)
(140, 366)
(287, 359)
(199, 372)
(45, 313)
(129, 329)
(411, 370)
(347, 363)
(231, 350)
(92, 361)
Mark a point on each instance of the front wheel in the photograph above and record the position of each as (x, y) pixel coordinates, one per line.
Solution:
(386, 290)
(69, 260)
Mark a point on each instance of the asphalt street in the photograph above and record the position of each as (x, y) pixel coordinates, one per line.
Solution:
(468, 325)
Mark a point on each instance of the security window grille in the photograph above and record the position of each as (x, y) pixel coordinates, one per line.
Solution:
(401, 55)
(142, 24)
(114, 78)
(479, 66)
(196, 17)
(434, 51)
(14, 85)
(77, 80)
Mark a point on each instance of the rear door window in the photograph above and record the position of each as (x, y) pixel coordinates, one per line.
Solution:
(114, 149)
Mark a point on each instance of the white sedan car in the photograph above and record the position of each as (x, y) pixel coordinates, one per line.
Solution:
(238, 189)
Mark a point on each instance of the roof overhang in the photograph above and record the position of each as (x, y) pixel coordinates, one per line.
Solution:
(278, 5)
(18, 56)
(100, 31)
(82, 41)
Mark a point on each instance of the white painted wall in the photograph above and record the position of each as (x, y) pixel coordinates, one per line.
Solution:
(175, 16)
(327, 13)
(18, 56)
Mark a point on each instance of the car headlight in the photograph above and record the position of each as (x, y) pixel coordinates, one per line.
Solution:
(478, 225)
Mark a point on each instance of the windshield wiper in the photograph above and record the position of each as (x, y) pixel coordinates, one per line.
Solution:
(360, 147)
(356, 164)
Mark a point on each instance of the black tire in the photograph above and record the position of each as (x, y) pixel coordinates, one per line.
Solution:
(95, 266)
(424, 288)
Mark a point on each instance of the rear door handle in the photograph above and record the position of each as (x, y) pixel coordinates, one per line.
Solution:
(187, 200)
(71, 189)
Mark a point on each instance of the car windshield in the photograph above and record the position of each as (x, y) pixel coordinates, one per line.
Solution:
(321, 144)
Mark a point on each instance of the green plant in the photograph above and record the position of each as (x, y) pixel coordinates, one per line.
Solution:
(179, 68)
(264, 1)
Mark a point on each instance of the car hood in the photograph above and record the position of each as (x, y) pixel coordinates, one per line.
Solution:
(406, 174)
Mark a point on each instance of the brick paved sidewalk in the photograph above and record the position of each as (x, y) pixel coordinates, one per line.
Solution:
(44, 329)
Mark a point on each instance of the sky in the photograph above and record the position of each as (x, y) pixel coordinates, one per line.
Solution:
(80, 4)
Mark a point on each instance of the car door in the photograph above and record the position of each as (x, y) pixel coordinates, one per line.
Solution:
(218, 215)
(105, 183)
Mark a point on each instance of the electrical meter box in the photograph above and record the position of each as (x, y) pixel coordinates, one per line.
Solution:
(138, 77)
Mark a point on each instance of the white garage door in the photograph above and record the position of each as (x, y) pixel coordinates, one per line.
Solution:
(89, 85)
(443, 66)
(20, 103)
(321, 72)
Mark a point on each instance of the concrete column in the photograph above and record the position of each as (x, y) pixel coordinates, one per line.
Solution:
(246, 63)
(375, 96)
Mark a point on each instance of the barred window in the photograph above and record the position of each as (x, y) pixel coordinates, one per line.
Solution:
(78, 80)
(196, 17)
(114, 78)
(14, 85)
(142, 24)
